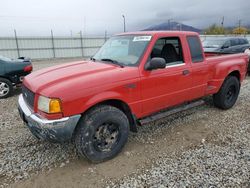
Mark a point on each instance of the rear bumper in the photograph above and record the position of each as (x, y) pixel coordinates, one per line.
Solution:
(58, 130)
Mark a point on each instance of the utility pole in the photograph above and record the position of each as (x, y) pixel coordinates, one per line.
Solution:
(53, 43)
(169, 24)
(84, 27)
(81, 43)
(17, 45)
(239, 24)
(105, 35)
(124, 23)
(180, 27)
(222, 21)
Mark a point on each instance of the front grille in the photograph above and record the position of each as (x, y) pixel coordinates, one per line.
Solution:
(28, 96)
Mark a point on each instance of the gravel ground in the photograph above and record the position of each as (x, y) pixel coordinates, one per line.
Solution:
(208, 166)
(20, 152)
(222, 159)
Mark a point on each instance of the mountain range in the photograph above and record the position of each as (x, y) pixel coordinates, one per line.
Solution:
(172, 26)
(179, 26)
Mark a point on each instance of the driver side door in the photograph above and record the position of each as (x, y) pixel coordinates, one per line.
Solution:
(163, 88)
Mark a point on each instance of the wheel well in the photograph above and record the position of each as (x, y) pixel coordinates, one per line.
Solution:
(125, 109)
(236, 74)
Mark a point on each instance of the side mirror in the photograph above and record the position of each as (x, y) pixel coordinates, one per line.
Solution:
(156, 63)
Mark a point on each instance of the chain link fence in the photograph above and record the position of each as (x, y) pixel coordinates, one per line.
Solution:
(49, 47)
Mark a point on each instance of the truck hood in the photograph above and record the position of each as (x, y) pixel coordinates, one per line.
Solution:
(76, 76)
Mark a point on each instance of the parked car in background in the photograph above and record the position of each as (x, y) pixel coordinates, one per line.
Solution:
(125, 82)
(229, 45)
(214, 46)
(12, 72)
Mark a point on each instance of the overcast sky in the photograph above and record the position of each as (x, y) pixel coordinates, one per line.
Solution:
(93, 17)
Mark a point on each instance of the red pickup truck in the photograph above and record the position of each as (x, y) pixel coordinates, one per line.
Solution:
(131, 77)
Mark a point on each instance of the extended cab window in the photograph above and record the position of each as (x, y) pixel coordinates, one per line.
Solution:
(170, 49)
(195, 49)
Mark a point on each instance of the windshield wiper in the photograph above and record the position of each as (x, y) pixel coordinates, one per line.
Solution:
(113, 61)
(92, 59)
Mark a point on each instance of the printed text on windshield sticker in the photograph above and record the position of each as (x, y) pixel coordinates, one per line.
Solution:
(141, 38)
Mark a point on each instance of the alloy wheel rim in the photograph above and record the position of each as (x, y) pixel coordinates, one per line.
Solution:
(4, 89)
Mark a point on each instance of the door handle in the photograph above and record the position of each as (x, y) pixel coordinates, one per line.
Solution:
(185, 72)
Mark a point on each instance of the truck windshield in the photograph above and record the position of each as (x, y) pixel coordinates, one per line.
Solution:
(125, 50)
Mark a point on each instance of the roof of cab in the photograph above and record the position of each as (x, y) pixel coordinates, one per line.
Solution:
(159, 33)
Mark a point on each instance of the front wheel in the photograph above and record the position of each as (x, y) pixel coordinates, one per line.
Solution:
(228, 93)
(6, 88)
(101, 133)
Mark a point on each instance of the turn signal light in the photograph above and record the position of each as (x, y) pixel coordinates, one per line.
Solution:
(54, 106)
(48, 105)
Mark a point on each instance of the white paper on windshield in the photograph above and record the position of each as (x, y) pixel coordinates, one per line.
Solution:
(142, 38)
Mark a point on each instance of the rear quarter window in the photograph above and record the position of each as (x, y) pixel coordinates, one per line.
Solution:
(235, 42)
(243, 41)
(195, 49)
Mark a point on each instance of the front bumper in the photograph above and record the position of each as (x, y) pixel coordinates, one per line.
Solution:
(58, 130)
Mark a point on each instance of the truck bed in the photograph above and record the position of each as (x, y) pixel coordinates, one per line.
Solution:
(215, 56)
(220, 65)
(212, 54)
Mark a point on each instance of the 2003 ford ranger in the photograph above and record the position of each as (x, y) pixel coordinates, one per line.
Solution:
(132, 76)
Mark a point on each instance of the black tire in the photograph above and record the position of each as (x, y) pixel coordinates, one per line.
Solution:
(228, 93)
(6, 88)
(93, 129)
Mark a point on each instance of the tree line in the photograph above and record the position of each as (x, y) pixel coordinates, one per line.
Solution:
(219, 30)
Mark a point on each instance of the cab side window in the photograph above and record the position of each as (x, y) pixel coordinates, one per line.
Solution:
(170, 49)
(195, 49)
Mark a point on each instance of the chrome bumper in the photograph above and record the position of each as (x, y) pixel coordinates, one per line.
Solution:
(55, 130)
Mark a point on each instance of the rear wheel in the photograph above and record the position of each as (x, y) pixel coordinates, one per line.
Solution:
(228, 94)
(101, 133)
(6, 88)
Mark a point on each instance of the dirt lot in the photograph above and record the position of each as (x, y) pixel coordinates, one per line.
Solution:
(202, 147)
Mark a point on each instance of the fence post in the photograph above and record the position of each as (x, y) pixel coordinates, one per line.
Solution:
(105, 36)
(53, 44)
(81, 43)
(17, 46)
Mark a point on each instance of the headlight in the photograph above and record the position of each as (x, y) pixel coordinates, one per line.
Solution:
(48, 105)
